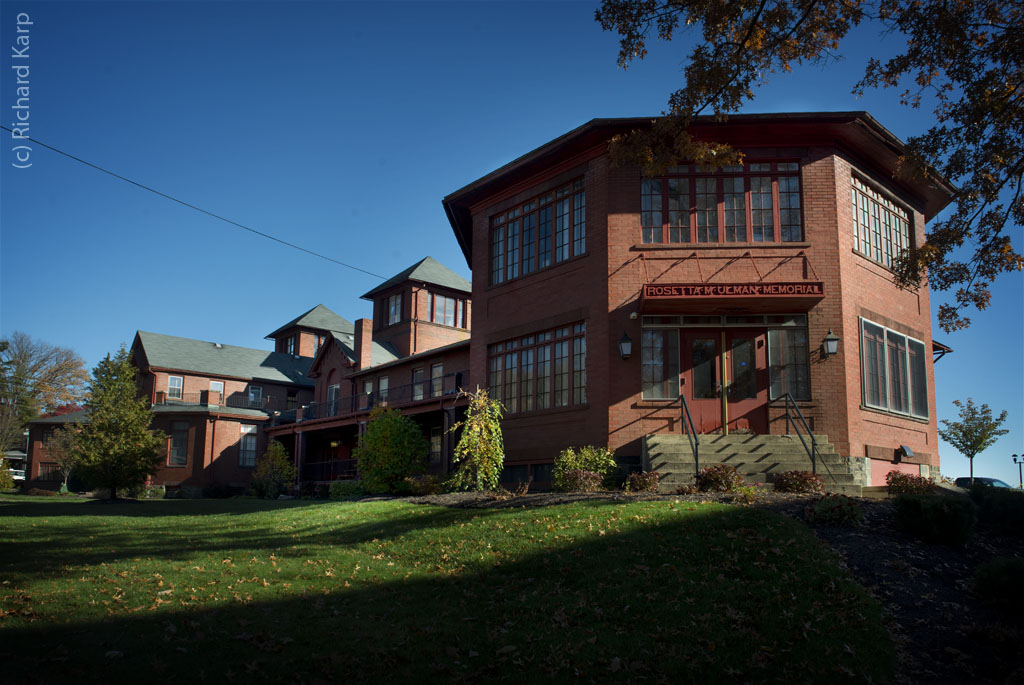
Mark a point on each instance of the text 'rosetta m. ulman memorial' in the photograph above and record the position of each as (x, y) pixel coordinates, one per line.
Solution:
(804, 289)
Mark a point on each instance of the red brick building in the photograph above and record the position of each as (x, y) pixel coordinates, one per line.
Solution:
(412, 355)
(725, 285)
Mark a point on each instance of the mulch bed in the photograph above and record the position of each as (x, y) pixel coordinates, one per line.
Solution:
(943, 632)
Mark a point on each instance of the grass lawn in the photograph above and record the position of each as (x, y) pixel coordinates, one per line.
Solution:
(303, 591)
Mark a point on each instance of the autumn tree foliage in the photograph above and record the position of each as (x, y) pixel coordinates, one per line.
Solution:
(391, 449)
(35, 378)
(480, 452)
(964, 60)
(115, 446)
(975, 432)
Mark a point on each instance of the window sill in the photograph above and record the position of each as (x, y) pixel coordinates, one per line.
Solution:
(641, 247)
(655, 404)
(546, 412)
(895, 415)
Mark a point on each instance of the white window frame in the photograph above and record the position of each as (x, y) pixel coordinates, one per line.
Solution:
(247, 444)
(382, 388)
(332, 399)
(216, 389)
(884, 383)
(289, 345)
(255, 394)
(395, 309)
(180, 387)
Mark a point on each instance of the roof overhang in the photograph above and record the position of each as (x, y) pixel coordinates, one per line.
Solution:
(857, 133)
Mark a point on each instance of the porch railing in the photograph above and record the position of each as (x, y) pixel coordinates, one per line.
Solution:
(791, 420)
(236, 400)
(330, 469)
(690, 431)
(445, 386)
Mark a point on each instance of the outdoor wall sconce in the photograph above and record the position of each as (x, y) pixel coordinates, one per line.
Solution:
(625, 346)
(830, 345)
(902, 452)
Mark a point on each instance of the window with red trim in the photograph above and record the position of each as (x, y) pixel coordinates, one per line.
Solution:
(752, 203)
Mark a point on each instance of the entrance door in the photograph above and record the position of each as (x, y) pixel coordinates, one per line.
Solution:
(746, 365)
(700, 378)
(707, 355)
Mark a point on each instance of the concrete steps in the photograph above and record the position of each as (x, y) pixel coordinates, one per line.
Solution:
(757, 457)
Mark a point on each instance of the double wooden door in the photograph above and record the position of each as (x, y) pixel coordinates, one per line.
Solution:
(724, 377)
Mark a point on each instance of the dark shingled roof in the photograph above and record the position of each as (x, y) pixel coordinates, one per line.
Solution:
(427, 270)
(81, 416)
(185, 354)
(320, 318)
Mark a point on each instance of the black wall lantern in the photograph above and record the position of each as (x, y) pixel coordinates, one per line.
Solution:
(625, 346)
(830, 345)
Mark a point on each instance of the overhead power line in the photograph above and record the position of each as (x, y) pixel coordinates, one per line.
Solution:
(198, 209)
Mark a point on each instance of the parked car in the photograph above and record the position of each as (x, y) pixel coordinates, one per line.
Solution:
(991, 482)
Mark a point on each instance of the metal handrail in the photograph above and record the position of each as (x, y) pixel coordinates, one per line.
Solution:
(691, 434)
(812, 452)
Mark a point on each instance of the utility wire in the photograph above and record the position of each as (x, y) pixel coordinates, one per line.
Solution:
(198, 209)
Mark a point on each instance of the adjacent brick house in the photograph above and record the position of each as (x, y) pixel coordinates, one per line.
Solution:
(725, 284)
(412, 355)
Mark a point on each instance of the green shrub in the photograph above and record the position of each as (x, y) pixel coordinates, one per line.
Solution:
(274, 473)
(1000, 509)
(746, 494)
(597, 460)
(6, 479)
(942, 520)
(643, 481)
(346, 489)
(835, 510)
(907, 484)
(799, 482)
(392, 448)
(480, 452)
(719, 478)
(579, 480)
(998, 581)
(425, 485)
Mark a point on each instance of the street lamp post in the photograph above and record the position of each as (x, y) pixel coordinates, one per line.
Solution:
(1018, 459)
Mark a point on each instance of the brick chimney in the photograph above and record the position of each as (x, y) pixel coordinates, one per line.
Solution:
(364, 336)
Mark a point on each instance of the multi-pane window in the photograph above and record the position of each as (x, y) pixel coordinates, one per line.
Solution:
(174, 384)
(447, 311)
(394, 309)
(178, 455)
(659, 363)
(290, 345)
(255, 396)
(436, 435)
(881, 228)
(759, 202)
(540, 371)
(893, 371)
(217, 387)
(436, 380)
(332, 399)
(418, 390)
(382, 389)
(789, 360)
(247, 446)
(545, 230)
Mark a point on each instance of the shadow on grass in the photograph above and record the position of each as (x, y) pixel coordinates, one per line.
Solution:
(733, 594)
(76, 506)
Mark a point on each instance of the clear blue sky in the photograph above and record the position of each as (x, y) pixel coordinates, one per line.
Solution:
(338, 126)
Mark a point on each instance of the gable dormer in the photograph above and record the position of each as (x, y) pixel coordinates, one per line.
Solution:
(304, 335)
(423, 307)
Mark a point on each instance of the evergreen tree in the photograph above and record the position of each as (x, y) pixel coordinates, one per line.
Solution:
(116, 447)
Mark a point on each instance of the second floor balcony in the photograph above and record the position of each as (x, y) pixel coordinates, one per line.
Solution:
(236, 400)
(427, 390)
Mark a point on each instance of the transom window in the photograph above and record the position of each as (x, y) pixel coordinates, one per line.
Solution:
(894, 375)
(540, 371)
(536, 234)
(881, 228)
(752, 203)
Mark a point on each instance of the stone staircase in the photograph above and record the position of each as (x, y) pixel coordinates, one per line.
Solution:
(757, 457)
